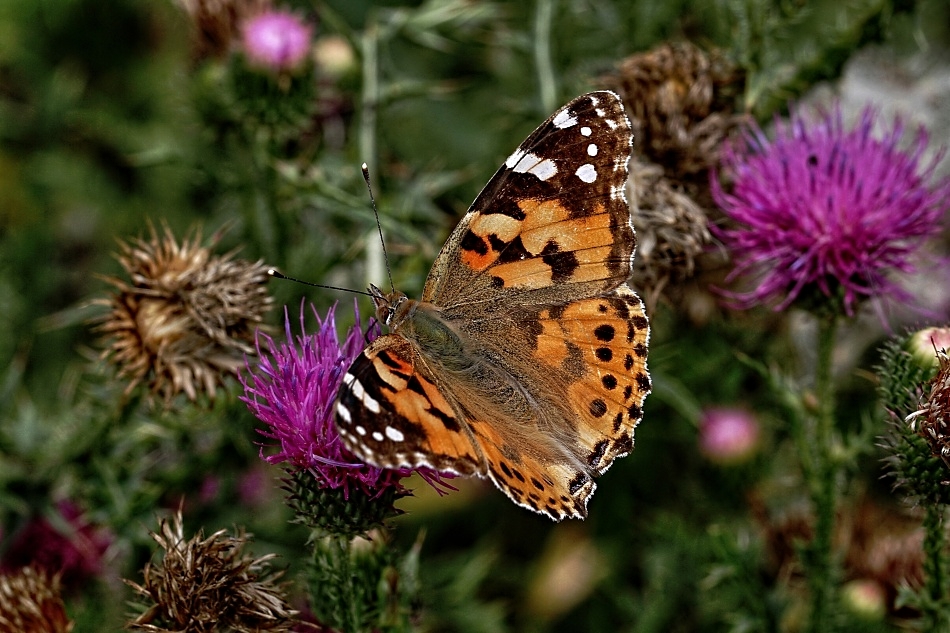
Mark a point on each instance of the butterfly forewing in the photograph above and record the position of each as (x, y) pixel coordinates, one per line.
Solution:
(553, 222)
(529, 366)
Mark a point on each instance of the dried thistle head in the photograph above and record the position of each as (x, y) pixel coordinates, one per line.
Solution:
(30, 601)
(933, 417)
(206, 585)
(672, 230)
(185, 317)
(681, 104)
(216, 24)
(680, 99)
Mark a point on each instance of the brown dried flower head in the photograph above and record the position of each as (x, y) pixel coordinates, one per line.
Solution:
(207, 585)
(681, 102)
(217, 23)
(933, 418)
(185, 317)
(672, 230)
(30, 602)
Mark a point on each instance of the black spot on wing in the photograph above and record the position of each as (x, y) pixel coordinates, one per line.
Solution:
(620, 306)
(448, 421)
(643, 381)
(514, 251)
(634, 412)
(507, 206)
(394, 363)
(597, 407)
(623, 444)
(563, 264)
(496, 243)
(598, 453)
(413, 384)
(578, 482)
(473, 243)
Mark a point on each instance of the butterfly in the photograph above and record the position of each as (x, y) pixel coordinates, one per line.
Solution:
(525, 361)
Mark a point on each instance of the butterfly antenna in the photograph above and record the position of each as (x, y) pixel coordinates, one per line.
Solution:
(379, 226)
(273, 272)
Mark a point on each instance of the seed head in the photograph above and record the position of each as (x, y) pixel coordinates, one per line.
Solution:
(184, 318)
(206, 585)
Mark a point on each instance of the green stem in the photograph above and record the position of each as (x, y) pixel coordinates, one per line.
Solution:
(824, 474)
(935, 568)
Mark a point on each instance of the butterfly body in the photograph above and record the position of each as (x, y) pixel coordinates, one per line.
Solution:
(525, 360)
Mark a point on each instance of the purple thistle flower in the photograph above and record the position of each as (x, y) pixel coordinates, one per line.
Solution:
(292, 389)
(276, 40)
(825, 208)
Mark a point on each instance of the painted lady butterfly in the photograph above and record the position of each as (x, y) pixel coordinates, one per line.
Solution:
(525, 360)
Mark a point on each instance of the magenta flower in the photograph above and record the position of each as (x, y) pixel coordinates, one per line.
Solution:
(828, 209)
(292, 388)
(728, 436)
(276, 40)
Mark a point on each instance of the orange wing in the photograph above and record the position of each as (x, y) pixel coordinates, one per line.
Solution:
(390, 413)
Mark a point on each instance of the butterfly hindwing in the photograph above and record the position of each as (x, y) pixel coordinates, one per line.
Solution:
(609, 381)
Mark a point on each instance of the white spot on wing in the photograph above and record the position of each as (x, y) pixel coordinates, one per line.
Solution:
(594, 101)
(544, 170)
(600, 112)
(563, 119)
(587, 173)
(360, 429)
(531, 164)
(514, 158)
(611, 124)
(377, 436)
(368, 401)
(592, 150)
(394, 434)
(586, 131)
(343, 412)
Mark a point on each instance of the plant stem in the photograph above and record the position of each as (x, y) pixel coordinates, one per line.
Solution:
(821, 571)
(934, 606)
